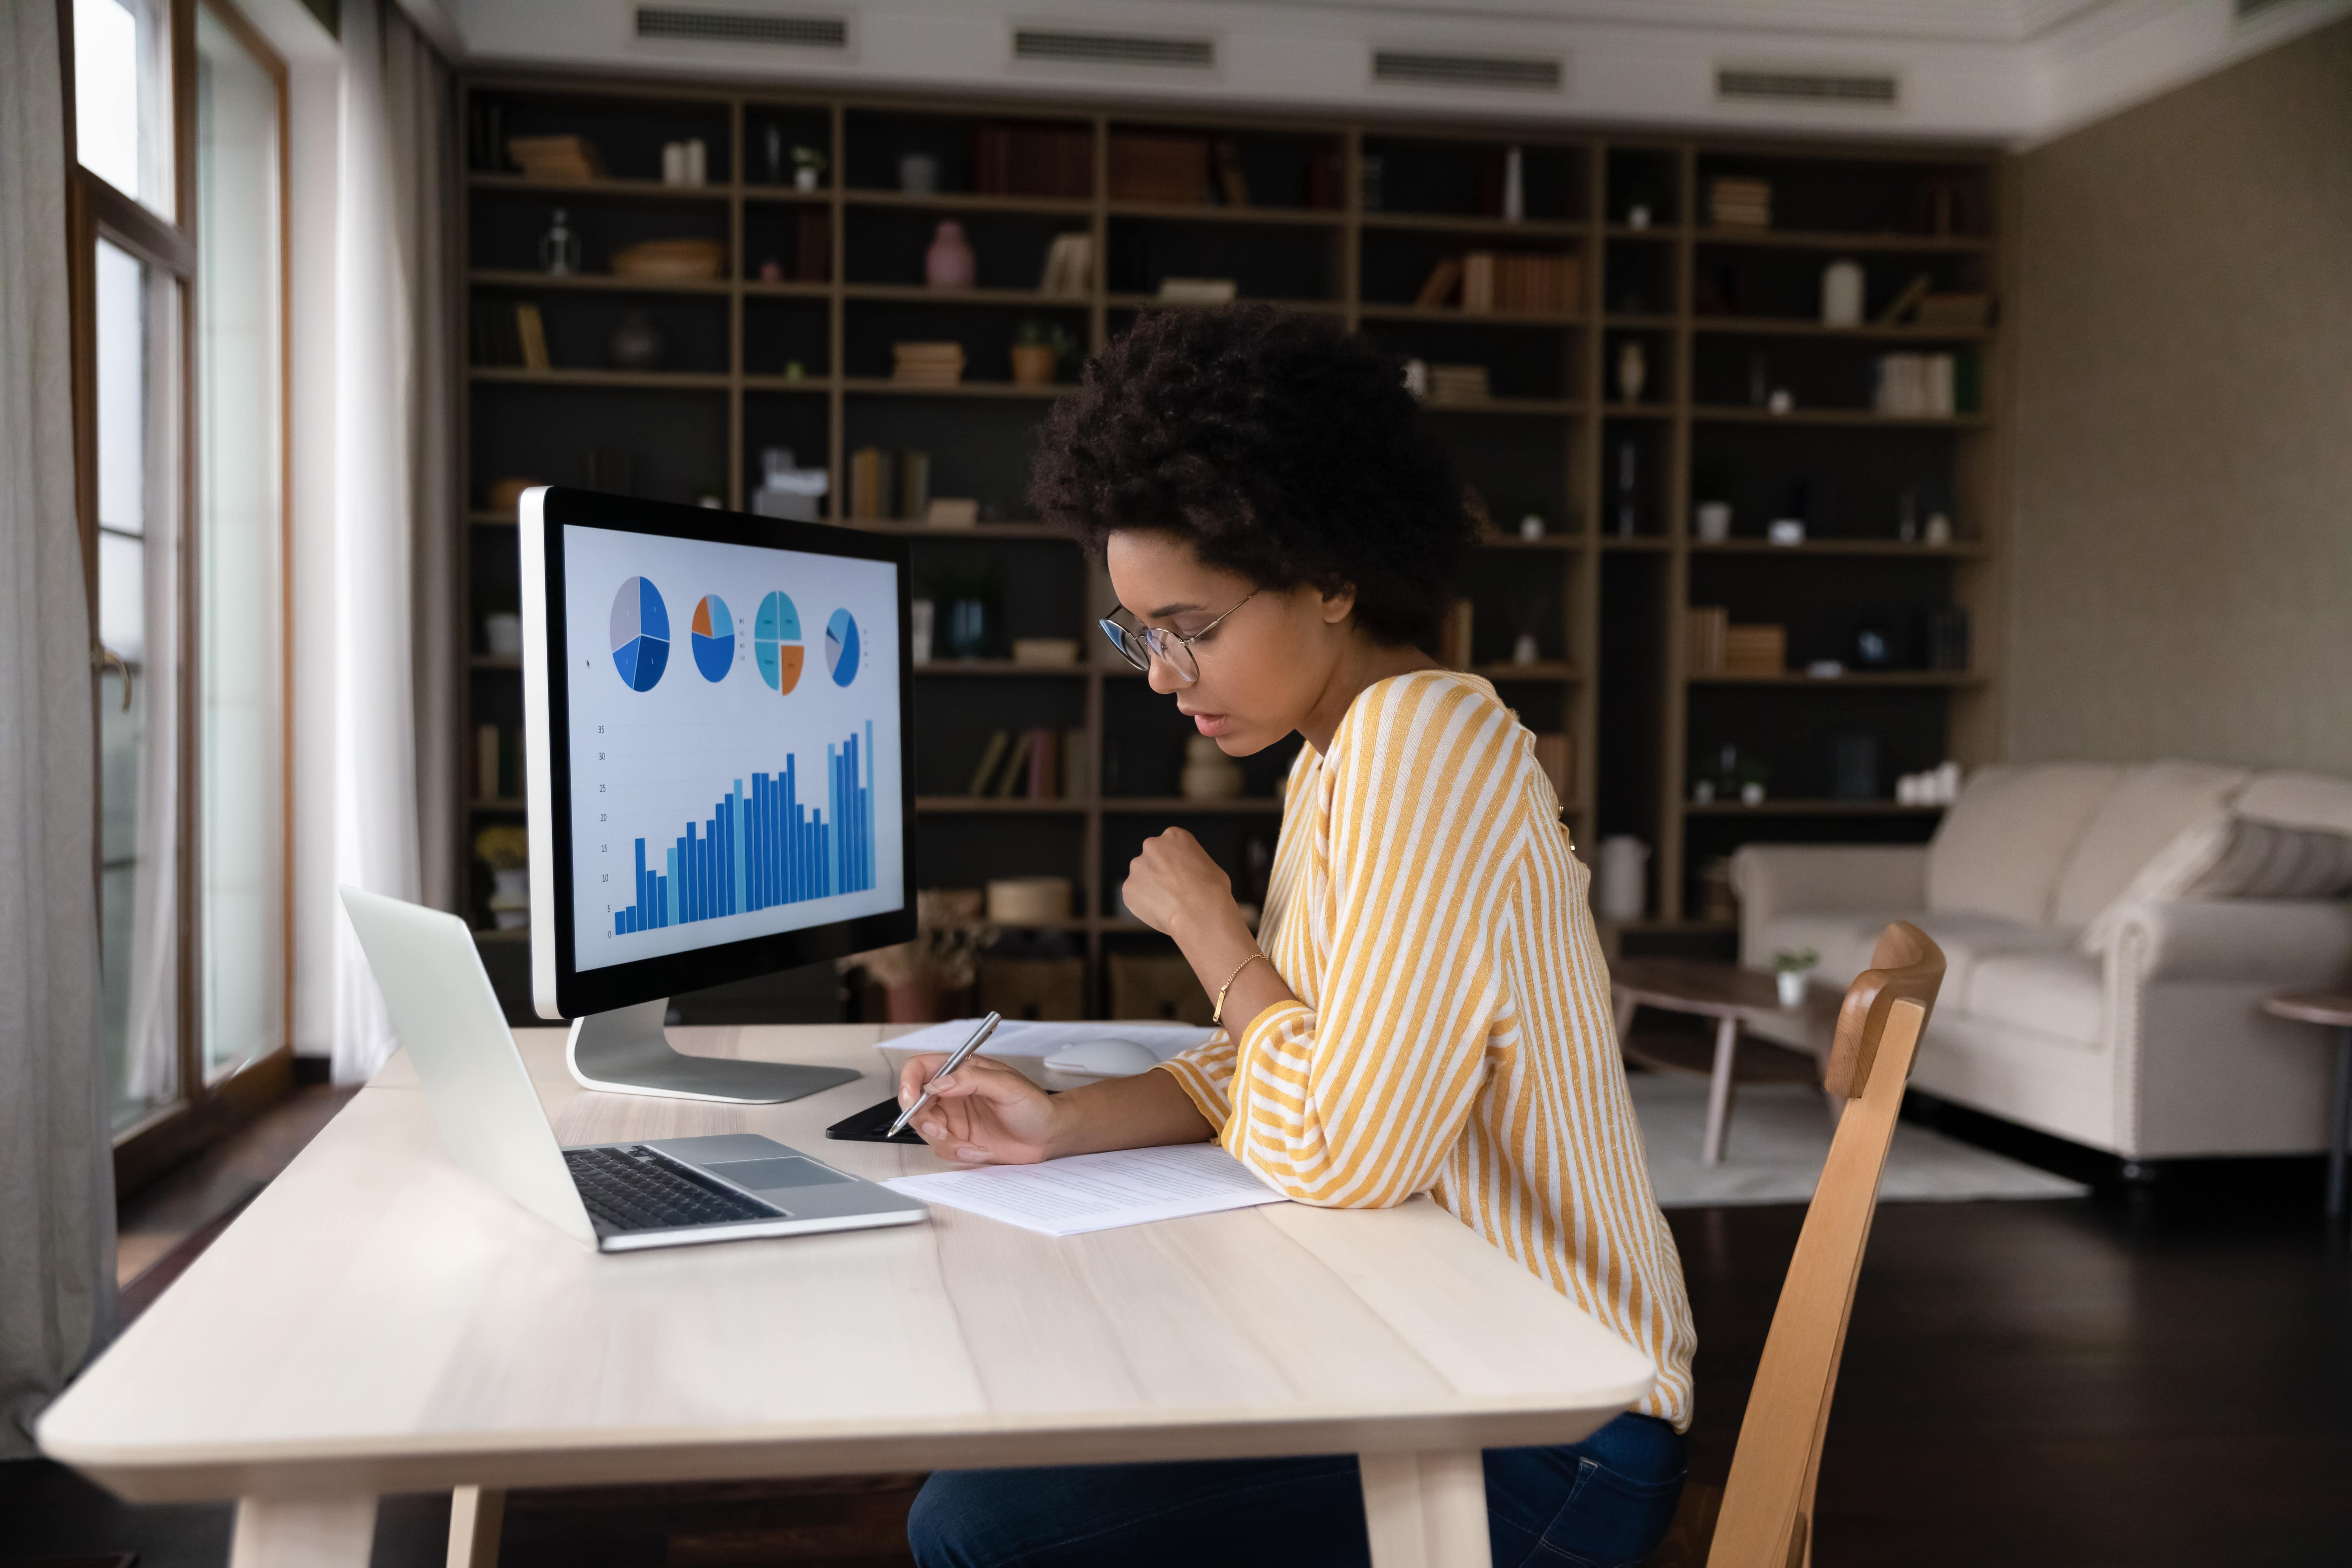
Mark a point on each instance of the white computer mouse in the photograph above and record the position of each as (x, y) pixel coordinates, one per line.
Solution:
(1103, 1058)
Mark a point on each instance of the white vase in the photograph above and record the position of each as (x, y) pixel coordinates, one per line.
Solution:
(1791, 983)
(1841, 294)
(1624, 890)
(1632, 371)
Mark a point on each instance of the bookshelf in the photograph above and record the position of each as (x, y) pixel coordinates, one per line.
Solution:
(1344, 216)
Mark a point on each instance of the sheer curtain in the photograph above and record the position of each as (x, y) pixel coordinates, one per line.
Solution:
(57, 1172)
(394, 492)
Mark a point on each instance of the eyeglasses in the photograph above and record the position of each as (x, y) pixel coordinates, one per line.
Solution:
(1141, 646)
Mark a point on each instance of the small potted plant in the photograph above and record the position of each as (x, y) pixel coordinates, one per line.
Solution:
(1039, 346)
(1789, 967)
(808, 168)
(506, 850)
(930, 978)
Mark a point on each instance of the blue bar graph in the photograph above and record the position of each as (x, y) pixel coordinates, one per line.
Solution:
(760, 849)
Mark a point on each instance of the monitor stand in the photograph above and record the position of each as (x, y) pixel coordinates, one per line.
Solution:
(627, 1051)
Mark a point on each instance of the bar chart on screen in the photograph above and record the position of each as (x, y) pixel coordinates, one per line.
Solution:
(729, 793)
(763, 848)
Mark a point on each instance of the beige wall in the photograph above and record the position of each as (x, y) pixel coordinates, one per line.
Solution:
(2181, 569)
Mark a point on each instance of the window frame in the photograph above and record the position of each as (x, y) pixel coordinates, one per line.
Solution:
(202, 1110)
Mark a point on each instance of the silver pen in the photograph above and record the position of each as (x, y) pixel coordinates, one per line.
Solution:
(987, 1028)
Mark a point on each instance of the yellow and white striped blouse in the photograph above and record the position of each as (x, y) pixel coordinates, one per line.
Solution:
(1453, 1031)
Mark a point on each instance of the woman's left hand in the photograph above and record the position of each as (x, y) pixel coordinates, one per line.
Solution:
(1173, 886)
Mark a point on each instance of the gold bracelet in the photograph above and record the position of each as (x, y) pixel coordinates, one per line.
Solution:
(1217, 1012)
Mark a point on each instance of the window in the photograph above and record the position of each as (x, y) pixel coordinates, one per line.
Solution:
(177, 208)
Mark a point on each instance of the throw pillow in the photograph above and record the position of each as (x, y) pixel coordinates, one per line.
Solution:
(2224, 857)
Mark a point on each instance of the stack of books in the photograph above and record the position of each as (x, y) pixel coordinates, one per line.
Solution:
(1705, 633)
(1458, 384)
(1056, 160)
(1518, 280)
(1755, 651)
(928, 364)
(1733, 203)
(555, 157)
(1069, 266)
(1197, 291)
(1925, 385)
(1171, 170)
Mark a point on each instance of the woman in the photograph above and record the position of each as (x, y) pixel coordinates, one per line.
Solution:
(1428, 1010)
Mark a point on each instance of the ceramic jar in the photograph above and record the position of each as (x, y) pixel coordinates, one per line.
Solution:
(949, 263)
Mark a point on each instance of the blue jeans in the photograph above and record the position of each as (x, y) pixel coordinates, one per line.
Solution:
(1596, 1504)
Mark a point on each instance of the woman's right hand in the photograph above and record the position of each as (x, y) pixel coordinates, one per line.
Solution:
(983, 1113)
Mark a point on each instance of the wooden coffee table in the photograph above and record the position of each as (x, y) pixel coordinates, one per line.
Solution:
(1737, 1000)
(2333, 1008)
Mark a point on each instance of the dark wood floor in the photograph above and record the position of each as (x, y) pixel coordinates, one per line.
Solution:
(2144, 1378)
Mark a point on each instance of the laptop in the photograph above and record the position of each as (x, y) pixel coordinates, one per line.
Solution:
(615, 1197)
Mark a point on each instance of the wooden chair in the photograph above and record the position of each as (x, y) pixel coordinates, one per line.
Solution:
(1762, 1517)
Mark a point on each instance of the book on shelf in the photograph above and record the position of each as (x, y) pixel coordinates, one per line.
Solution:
(497, 341)
(1706, 638)
(1520, 280)
(1755, 651)
(1042, 779)
(1233, 179)
(1069, 266)
(556, 157)
(489, 763)
(990, 756)
(1454, 636)
(1556, 755)
(1924, 385)
(953, 511)
(914, 484)
(1735, 202)
(1438, 288)
(1054, 161)
(1170, 170)
(812, 244)
(1198, 290)
(929, 364)
(1017, 766)
(1458, 384)
(870, 473)
(530, 332)
(1907, 299)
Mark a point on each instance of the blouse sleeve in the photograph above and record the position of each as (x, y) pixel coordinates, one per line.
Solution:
(1356, 1102)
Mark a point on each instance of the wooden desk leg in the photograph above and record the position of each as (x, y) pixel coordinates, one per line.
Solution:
(478, 1515)
(1719, 1091)
(338, 1532)
(1426, 1511)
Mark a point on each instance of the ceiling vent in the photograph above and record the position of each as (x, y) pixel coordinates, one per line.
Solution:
(696, 25)
(1061, 46)
(1738, 85)
(1511, 73)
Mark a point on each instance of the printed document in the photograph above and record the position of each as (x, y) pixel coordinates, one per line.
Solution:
(1099, 1192)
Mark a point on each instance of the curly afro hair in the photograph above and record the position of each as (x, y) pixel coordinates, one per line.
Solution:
(1277, 445)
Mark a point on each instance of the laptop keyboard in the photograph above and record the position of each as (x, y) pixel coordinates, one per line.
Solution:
(634, 1188)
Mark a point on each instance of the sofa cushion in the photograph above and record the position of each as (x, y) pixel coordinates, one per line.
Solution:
(2146, 811)
(2227, 856)
(2058, 995)
(2298, 800)
(1845, 943)
(2003, 844)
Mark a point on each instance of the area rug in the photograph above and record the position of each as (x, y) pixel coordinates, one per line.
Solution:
(1779, 1138)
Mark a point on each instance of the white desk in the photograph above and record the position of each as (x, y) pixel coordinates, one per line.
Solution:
(379, 1322)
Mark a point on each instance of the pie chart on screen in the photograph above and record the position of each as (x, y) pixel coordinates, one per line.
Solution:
(776, 642)
(841, 647)
(714, 638)
(640, 634)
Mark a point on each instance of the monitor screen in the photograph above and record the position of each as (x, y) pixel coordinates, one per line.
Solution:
(727, 735)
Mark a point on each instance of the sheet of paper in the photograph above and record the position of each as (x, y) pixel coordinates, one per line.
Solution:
(1019, 1038)
(1099, 1192)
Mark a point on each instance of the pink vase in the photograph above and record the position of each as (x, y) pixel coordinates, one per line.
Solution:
(948, 263)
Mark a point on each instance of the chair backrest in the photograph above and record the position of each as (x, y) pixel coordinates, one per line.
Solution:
(1767, 1514)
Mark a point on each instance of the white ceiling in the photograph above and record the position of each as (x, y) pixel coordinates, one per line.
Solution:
(2006, 71)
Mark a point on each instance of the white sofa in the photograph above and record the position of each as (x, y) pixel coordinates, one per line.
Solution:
(2153, 1044)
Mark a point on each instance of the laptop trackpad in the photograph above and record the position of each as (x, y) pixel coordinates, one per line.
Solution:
(767, 1175)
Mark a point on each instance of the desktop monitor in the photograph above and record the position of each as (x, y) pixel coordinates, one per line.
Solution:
(716, 729)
